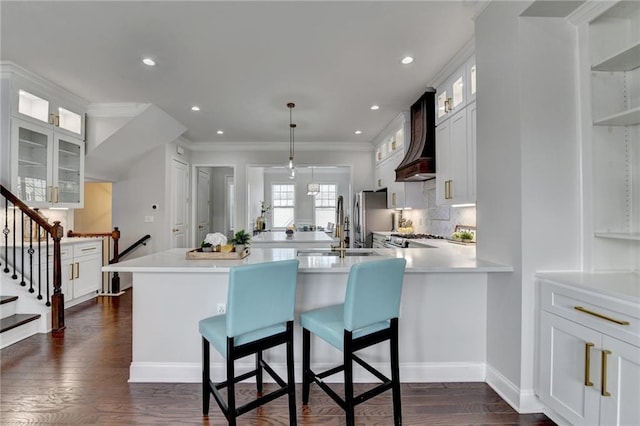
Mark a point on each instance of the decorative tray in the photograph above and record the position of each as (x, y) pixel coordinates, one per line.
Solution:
(461, 242)
(198, 254)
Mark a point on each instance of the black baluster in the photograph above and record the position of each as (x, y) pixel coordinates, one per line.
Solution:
(15, 273)
(5, 231)
(39, 263)
(31, 251)
(22, 283)
(48, 282)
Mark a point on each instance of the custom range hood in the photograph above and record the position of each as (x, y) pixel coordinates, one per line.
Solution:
(419, 162)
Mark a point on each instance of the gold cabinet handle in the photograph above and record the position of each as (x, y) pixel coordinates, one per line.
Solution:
(50, 199)
(587, 363)
(175, 229)
(71, 275)
(52, 118)
(447, 189)
(200, 226)
(57, 121)
(77, 270)
(603, 388)
(447, 105)
(393, 198)
(601, 316)
(57, 194)
(379, 182)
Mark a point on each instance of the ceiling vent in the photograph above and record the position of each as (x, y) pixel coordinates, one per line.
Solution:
(419, 163)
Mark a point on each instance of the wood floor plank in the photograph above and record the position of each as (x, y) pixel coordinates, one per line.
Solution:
(81, 379)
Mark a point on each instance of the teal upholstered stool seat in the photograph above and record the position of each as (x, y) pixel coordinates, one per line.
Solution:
(260, 311)
(368, 316)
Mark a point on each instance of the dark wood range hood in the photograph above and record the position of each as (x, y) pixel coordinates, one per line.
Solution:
(419, 162)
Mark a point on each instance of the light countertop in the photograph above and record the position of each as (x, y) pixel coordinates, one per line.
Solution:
(447, 258)
(616, 284)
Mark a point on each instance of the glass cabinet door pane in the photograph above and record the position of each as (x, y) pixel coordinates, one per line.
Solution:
(68, 185)
(458, 92)
(33, 106)
(33, 149)
(442, 109)
(69, 120)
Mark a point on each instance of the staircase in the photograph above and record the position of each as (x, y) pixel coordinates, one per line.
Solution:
(16, 326)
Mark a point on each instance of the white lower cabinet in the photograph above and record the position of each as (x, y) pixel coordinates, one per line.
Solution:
(588, 358)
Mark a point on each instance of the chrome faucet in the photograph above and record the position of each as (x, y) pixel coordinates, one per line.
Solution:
(339, 233)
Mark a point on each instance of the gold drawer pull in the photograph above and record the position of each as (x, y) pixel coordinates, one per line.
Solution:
(587, 363)
(88, 249)
(603, 389)
(604, 317)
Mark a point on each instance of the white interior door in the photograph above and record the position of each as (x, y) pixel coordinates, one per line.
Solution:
(179, 204)
(204, 204)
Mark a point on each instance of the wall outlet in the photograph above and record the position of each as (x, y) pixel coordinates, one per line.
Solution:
(222, 308)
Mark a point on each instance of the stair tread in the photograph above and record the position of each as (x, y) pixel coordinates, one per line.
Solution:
(7, 299)
(16, 320)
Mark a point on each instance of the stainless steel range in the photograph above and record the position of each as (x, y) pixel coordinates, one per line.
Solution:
(402, 240)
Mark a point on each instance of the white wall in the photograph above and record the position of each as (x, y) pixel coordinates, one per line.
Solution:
(528, 178)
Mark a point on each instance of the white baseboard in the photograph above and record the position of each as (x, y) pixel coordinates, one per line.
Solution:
(523, 401)
(141, 372)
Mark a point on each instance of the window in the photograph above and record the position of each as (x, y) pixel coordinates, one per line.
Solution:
(325, 204)
(283, 201)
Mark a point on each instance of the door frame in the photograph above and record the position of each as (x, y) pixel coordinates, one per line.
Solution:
(193, 232)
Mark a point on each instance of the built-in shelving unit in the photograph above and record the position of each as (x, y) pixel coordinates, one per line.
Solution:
(610, 70)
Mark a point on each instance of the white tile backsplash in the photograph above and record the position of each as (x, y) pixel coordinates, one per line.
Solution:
(439, 220)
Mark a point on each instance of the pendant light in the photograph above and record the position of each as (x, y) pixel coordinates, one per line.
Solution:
(313, 188)
(292, 126)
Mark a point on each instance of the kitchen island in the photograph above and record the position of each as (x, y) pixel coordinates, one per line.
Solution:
(442, 322)
(300, 239)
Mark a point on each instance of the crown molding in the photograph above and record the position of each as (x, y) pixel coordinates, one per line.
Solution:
(456, 62)
(589, 11)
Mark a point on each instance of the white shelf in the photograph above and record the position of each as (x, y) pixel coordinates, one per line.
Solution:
(72, 153)
(626, 118)
(626, 60)
(69, 169)
(29, 142)
(635, 236)
(31, 163)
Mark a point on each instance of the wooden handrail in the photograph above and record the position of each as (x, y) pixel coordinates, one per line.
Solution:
(26, 209)
(57, 232)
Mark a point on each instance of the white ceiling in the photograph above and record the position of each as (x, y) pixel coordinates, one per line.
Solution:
(242, 61)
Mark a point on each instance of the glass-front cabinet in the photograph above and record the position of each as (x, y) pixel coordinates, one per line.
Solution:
(33, 107)
(47, 166)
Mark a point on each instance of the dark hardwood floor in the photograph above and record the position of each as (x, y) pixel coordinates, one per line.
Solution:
(81, 379)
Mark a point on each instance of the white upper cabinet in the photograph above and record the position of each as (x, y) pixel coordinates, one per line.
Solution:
(43, 108)
(390, 150)
(45, 125)
(456, 137)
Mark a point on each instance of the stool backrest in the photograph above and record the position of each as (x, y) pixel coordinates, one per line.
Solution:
(261, 295)
(373, 293)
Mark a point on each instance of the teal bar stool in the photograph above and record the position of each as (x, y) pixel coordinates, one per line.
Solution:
(260, 313)
(369, 315)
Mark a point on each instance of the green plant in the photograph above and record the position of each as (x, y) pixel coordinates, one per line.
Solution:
(241, 237)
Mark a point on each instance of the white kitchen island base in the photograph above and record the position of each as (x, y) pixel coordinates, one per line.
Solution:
(442, 320)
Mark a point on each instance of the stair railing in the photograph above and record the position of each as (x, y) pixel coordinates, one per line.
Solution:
(113, 255)
(107, 247)
(35, 231)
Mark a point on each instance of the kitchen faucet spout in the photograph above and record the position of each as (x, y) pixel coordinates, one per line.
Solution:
(339, 234)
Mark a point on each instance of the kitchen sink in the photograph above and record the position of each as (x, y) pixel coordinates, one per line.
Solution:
(329, 252)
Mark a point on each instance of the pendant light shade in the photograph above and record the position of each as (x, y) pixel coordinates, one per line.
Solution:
(313, 188)
(292, 127)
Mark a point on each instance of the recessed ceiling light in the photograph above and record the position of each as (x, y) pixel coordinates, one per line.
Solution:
(149, 62)
(195, 108)
(407, 60)
(375, 107)
(220, 132)
(358, 132)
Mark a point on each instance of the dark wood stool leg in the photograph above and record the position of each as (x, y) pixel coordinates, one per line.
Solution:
(259, 371)
(206, 392)
(231, 388)
(306, 365)
(291, 379)
(395, 373)
(349, 406)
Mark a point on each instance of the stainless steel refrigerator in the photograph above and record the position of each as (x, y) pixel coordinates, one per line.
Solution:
(370, 214)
